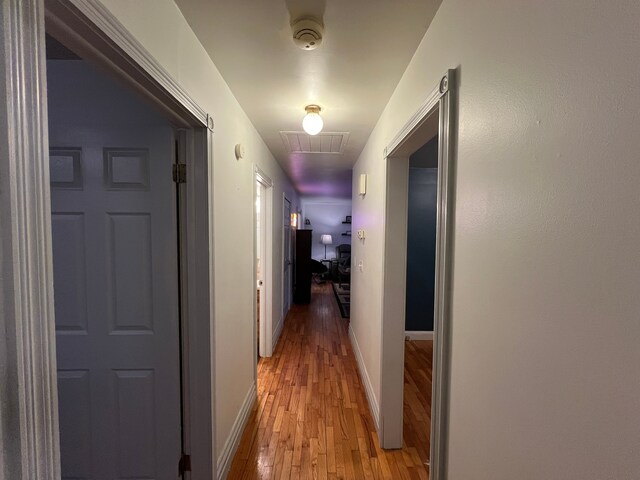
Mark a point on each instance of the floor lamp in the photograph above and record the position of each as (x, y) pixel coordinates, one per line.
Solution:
(326, 240)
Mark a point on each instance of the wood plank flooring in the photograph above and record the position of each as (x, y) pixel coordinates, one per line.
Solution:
(311, 419)
(418, 361)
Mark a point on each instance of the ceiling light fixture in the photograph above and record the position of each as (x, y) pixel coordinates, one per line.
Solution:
(312, 122)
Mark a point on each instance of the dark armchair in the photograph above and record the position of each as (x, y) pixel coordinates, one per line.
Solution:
(343, 250)
(317, 269)
(343, 255)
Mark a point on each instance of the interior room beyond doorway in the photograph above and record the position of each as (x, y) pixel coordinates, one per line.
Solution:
(330, 222)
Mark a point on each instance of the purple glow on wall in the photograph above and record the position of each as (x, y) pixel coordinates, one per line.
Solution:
(319, 176)
(329, 190)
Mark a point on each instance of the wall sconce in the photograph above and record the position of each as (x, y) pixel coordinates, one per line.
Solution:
(362, 185)
(239, 151)
(295, 220)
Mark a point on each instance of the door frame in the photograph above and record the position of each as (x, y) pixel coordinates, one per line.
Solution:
(435, 116)
(291, 281)
(29, 432)
(266, 326)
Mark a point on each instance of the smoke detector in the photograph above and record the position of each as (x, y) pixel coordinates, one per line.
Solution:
(307, 33)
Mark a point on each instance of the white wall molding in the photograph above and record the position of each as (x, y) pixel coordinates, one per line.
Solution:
(418, 335)
(419, 117)
(276, 334)
(28, 396)
(231, 445)
(368, 388)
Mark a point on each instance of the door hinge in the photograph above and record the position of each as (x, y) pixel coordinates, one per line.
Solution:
(184, 465)
(180, 172)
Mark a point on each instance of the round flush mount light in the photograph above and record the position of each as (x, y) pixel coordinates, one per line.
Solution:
(312, 122)
(307, 33)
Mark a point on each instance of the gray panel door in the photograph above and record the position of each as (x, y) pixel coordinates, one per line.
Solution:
(116, 296)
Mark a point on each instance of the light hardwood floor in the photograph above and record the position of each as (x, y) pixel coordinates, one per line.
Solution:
(311, 419)
(418, 358)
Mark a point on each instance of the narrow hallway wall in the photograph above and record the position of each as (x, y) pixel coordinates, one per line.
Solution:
(545, 376)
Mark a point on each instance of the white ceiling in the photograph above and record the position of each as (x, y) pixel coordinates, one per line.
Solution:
(367, 46)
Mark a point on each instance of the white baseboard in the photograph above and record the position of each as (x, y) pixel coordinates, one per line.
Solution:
(368, 388)
(276, 334)
(418, 335)
(231, 445)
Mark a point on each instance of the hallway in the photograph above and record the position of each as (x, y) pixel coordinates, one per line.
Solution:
(312, 419)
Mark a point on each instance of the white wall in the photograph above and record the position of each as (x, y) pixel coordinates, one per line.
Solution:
(161, 28)
(546, 332)
(326, 215)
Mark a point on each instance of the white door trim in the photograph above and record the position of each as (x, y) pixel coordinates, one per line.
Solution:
(29, 396)
(197, 313)
(434, 113)
(119, 51)
(266, 326)
(28, 406)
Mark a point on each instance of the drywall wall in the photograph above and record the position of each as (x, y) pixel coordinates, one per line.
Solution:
(326, 216)
(545, 332)
(163, 31)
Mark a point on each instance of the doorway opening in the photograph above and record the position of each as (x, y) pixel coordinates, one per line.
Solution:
(263, 264)
(287, 259)
(117, 285)
(420, 290)
(90, 31)
(131, 205)
(431, 123)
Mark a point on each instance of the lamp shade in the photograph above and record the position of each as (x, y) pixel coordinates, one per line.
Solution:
(326, 239)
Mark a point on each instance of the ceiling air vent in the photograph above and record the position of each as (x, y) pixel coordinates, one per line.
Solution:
(324, 142)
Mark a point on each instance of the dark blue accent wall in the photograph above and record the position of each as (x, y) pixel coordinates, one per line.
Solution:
(421, 242)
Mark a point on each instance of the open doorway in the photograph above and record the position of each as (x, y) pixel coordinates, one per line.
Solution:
(263, 254)
(287, 258)
(431, 123)
(114, 215)
(329, 220)
(422, 204)
(130, 212)
(98, 37)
